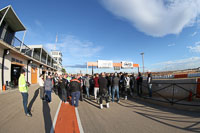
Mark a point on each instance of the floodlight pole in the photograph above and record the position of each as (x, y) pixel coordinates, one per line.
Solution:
(142, 61)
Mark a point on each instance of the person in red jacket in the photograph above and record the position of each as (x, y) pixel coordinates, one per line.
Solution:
(96, 86)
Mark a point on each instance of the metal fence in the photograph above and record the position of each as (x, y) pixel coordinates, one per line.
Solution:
(157, 96)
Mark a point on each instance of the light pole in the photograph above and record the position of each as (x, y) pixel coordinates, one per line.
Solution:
(142, 61)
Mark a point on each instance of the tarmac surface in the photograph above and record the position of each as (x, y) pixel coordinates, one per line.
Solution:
(128, 116)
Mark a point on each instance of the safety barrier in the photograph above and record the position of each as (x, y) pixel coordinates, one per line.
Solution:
(174, 93)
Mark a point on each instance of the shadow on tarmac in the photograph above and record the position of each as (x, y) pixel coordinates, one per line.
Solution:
(33, 99)
(164, 115)
(47, 117)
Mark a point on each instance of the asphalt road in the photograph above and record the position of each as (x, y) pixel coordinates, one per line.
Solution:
(134, 116)
(130, 116)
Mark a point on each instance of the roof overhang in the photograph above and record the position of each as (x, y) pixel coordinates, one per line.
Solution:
(12, 19)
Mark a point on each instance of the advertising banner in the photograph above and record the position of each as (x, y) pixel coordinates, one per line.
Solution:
(127, 64)
(105, 64)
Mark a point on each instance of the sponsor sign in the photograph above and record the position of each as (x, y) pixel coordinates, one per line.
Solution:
(127, 64)
(105, 64)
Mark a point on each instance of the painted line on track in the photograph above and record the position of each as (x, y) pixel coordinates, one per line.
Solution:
(79, 121)
(55, 118)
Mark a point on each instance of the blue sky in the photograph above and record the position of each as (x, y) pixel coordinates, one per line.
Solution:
(167, 31)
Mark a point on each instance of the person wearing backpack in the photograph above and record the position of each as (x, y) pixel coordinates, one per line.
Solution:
(75, 88)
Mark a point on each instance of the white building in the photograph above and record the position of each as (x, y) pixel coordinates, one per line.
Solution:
(57, 55)
(15, 55)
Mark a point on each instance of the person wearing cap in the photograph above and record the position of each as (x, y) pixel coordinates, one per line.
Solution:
(23, 88)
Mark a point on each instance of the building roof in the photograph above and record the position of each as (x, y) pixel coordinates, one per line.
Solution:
(12, 19)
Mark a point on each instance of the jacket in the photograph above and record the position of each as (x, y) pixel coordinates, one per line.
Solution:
(115, 81)
(48, 84)
(75, 85)
(87, 82)
(22, 84)
(103, 85)
(63, 83)
(41, 82)
(96, 82)
(149, 80)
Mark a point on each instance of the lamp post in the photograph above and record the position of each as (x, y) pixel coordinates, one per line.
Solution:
(142, 61)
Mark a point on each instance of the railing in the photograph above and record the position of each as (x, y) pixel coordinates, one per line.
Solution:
(172, 98)
(10, 39)
(36, 56)
(43, 60)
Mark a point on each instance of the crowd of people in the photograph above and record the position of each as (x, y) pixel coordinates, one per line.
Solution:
(72, 88)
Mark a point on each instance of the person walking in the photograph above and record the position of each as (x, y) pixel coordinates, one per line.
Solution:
(41, 83)
(149, 84)
(96, 86)
(48, 88)
(126, 85)
(23, 88)
(63, 84)
(115, 84)
(132, 84)
(139, 84)
(87, 85)
(75, 88)
(103, 90)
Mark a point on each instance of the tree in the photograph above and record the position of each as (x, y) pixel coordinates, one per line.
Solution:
(63, 70)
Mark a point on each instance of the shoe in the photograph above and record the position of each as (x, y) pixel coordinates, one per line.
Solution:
(101, 106)
(118, 101)
(66, 102)
(29, 115)
(107, 105)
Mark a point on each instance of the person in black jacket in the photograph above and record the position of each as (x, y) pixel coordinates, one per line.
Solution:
(132, 84)
(139, 84)
(103, 90)
(75, 88)
(63, 84)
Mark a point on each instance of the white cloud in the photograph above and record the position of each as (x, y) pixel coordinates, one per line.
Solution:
(172, 44)
(74, 50)
(195, 48)
(194, 34)
(181, 64)
(156, 17)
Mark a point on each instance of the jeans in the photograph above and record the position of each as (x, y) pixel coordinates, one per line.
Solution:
(150, 90)
(139, 89)
(41, 92)
(87, 91)
(64, 95)
(48, 94)
(115, 88)
(96, 91)
(25, 102)
(104, 95)
(109, 90)
(75, 95)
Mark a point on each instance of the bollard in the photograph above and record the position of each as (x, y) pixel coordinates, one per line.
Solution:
(4, 87)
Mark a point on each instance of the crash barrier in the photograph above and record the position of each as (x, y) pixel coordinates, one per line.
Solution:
(182, 91)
